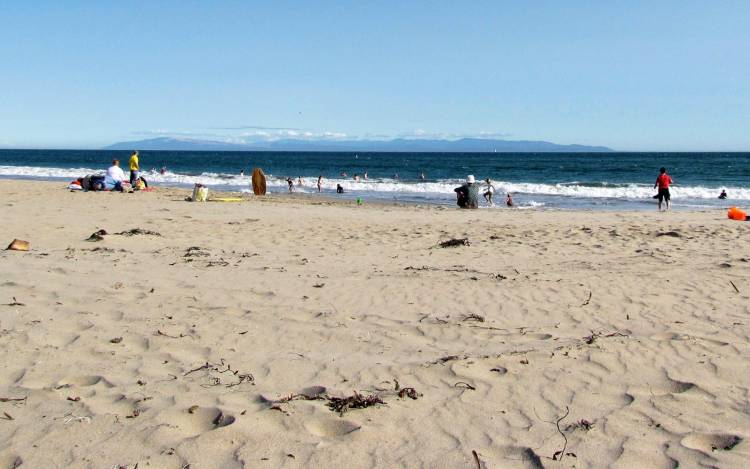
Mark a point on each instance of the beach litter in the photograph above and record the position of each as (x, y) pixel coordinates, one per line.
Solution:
(138, 231)
(455, 242)
(97, 236)
(355, 401)
(18, 245)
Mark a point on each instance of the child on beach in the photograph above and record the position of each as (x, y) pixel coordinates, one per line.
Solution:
(663, 181)
(489, 192)
(291, 183)
(134, 168)
(509, 200)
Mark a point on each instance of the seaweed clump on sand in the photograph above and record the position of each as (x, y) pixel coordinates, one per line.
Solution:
(355, 401)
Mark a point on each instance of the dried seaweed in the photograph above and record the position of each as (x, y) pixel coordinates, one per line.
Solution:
(473, 317)
(411, 393)
(138, 231)
(582, 424)
(454, 242)
(221, 368)
(97, 236)
(355, 401)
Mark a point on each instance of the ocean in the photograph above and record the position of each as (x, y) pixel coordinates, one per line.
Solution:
(599, 181)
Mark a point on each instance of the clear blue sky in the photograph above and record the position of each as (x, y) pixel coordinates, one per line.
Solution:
(663, 75)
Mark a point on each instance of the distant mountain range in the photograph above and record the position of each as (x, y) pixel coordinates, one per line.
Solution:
(395, 145)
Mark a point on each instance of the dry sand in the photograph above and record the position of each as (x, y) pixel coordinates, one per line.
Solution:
(624, 329)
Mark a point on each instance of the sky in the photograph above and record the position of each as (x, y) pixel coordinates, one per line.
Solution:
(631, 75)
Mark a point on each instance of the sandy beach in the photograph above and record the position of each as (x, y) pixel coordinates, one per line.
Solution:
(224, 335)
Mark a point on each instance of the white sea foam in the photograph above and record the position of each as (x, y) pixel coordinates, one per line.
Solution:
(384, 187)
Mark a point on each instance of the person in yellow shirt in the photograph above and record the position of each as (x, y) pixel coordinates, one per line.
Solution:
(134, 168)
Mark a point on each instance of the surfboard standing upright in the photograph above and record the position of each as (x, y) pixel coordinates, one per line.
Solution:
(259, 182)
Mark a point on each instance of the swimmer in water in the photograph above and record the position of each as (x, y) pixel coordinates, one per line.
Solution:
(509, 200)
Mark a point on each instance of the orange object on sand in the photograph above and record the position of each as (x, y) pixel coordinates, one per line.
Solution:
(18, 245)
(736, 214)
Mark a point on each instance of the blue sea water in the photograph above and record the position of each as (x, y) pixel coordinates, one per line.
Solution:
(552, 180)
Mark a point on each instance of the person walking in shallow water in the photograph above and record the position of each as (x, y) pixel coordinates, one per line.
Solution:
(320, 182)
(663, 180)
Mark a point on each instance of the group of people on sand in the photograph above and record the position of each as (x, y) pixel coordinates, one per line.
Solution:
(467, 195)
(114, 177)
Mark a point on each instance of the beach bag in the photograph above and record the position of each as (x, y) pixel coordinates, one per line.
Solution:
(96, 183)
(200, 193)
(736, 214)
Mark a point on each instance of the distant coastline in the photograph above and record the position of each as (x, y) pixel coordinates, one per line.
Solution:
(468, 145)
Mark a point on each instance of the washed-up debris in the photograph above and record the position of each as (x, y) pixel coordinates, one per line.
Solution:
(223, 368)
(473, 317)
(408, 392)
(18, 245)
(15, 302)
(116, 340)
(582, 424)
(138, 231)
(97, 236)
(195, 251)
(355, 401)
(455, 242)
(671, 234)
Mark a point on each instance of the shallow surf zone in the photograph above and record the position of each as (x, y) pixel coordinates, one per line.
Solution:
(573, 194)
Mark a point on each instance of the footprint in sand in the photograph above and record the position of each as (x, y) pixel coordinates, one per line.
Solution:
(525, 457)
(710, 442)
(331, 427)
(663, 386)
(196, 420)
(83, 381)
(667, 336)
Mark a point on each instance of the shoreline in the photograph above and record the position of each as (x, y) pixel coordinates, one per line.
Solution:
(350, 199)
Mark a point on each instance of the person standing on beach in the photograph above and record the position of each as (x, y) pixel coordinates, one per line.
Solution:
(291, 183)
(489, 192)
(134, 168)
(320, 182)
(662, 182)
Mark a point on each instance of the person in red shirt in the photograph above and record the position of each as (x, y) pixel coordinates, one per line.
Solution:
(662, 182)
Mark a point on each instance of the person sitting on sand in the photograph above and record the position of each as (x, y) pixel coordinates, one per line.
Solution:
(489, 192)
(339, 189)
(291, 184)
(509, 200)
(663, 181)
(723, 194)
(468, 194)
(115, 176)
(320, 182)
